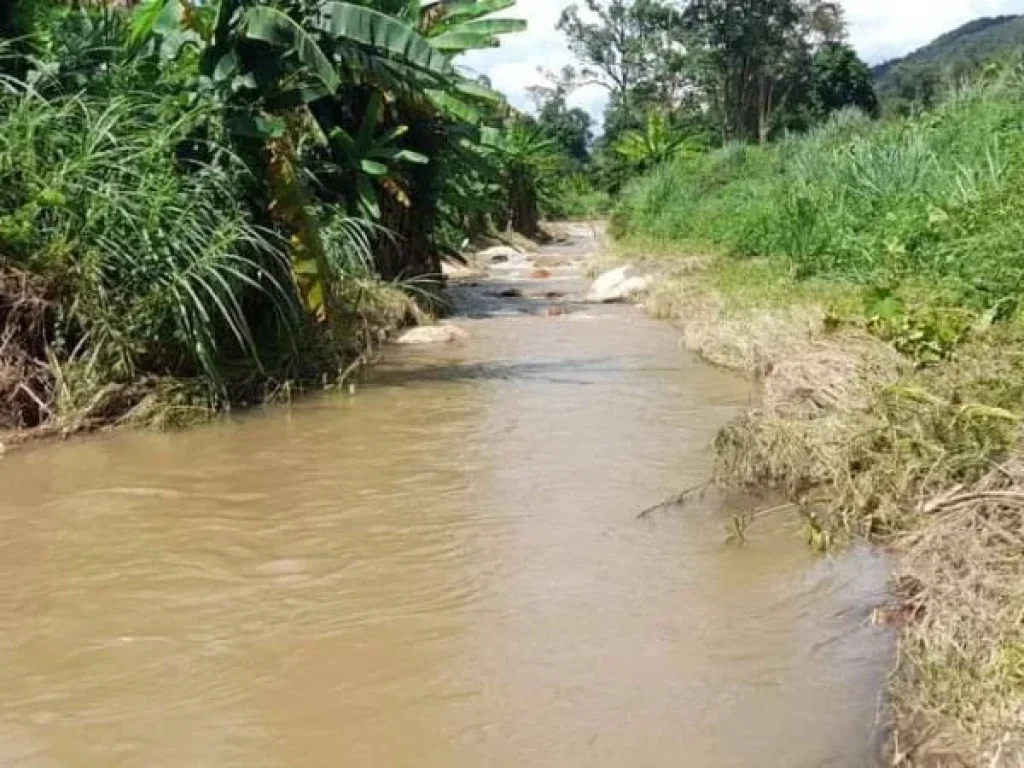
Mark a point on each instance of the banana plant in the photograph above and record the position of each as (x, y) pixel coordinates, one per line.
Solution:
(656, 144)
(369, 159)
(528, 163)
(458, 26)
(455, 27)
(262, 61)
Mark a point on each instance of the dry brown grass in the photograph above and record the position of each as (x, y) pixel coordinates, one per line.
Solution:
(928, 462)
(960, 682)
(26, 382)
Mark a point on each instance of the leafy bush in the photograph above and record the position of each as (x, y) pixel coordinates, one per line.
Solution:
(575, 197)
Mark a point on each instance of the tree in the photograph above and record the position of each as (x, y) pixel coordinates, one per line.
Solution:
(754, 55)
(912, 86)
(825, 22)
(527, 164)
(569, 127)
(636, 49)
(841, 79)
(271, 67)
(352, 103)
(452, 116)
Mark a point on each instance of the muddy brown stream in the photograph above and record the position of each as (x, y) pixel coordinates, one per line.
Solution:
(443, 570)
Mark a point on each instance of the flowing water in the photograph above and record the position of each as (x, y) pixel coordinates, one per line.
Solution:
(444, 570)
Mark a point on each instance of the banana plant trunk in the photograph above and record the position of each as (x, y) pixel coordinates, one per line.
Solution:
(523, 211)
(291, 207)
(405, 251)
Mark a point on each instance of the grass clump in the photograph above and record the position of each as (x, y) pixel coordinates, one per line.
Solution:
(869, 276)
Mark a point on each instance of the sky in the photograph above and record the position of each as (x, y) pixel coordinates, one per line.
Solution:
(879, 29)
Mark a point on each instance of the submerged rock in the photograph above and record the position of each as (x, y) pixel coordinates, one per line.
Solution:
(507, 293)
(433, 334)
(501, 254)
(619, 284)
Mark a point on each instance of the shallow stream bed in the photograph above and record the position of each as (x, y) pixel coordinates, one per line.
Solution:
(445, 569)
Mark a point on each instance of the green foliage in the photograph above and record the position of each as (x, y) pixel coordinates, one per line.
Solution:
(157, 266)
(570, 127)
(527, 162)
(209, 191)
(682, 76)
(576, 197)
(368, 157)
(16, 19)
(932, 198)
(925, 333)
(658, 143)
(754, 61)
(839, 79)
(635, 49)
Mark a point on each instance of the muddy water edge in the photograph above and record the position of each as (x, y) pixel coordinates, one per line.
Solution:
(446, 569)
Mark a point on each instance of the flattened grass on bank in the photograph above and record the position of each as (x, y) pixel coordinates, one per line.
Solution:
(927, 460)
(871, 277)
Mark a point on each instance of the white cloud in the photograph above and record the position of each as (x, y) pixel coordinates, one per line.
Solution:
(880, 29)
(518, 63)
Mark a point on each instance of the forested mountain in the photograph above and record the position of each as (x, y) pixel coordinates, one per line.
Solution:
(920, 76)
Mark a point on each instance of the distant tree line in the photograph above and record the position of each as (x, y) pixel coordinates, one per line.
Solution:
(738, 69)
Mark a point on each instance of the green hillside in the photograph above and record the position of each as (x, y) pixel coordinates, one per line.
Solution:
(921, 76)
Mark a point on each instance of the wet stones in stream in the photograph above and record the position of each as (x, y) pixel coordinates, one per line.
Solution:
(433, 334)
(620, 284)
(500, 254)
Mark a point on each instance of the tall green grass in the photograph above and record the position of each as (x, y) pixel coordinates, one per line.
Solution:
(939, 197)
(150, 246)
(152, 258)
(575, 197)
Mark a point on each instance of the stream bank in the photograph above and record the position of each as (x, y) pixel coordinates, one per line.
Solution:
(869, 445)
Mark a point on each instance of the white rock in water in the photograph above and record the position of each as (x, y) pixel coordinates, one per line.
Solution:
(456, 271)
(618, 284)
(433, 334)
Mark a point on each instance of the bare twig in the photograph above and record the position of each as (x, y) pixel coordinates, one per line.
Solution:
(949, 502)
(675, 500)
